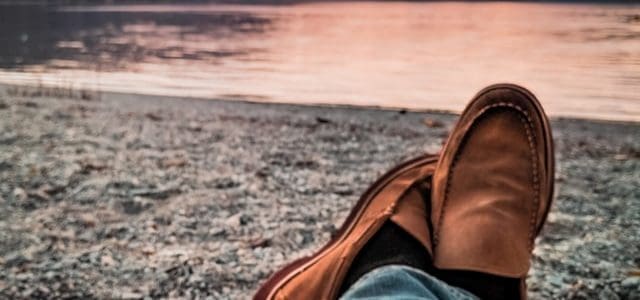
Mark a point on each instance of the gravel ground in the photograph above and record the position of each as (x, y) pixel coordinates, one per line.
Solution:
(129, 197)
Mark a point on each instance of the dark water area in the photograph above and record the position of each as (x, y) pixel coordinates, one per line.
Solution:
(42, 30)
(582, 60)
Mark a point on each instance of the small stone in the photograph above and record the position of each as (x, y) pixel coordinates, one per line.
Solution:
(3, 105)
(148, 250)
(153, 116)
(40, 194)
(87, 95)
(431, 123)
(343, 190)
(173, 162)
(217, 231)
(237, 220)
(107, 260)
(634, 295)
(631, 282)
(194, 126)
(135, 205)
(44, 290)
(233, 221)
(93, 165)
(88, 220)
(19, 194)
(607, 293)
(130, 296)
(16, 260)
(5, 165)
(30, 104)
(298, 239)
(555, 280)
(9, 138)
(225, 183)
(260, 243)
(621, 157)
(160, 193)
(322, 120)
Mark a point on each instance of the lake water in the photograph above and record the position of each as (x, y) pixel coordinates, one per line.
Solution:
(581, 59)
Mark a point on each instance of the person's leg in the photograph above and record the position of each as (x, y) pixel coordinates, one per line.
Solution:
(483, 285)
(492, 189)
(389, 246)
(403, 282)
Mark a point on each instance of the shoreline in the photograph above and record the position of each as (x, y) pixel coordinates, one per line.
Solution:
(129, 196)
(116, 95)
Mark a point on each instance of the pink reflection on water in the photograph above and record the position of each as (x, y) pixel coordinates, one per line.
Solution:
(582, 60)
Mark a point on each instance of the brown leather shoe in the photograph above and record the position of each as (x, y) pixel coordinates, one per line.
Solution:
(493, 185)
(392, 197)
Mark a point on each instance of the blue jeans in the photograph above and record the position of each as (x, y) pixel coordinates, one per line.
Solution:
(403, 282)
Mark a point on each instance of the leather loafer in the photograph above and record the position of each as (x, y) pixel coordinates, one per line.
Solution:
(394, 197)
(493, 185)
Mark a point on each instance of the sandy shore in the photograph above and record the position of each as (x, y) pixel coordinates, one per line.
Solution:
(133, 196)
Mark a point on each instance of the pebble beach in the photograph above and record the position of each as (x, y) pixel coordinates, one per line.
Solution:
(123, 196)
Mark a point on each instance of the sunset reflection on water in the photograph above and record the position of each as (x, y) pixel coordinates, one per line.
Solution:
(581, 60)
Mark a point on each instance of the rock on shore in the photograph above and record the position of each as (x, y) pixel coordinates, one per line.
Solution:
(132, 197)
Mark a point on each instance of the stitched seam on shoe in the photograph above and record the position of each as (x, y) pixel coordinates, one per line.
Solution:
(536, 187)
(536, 184)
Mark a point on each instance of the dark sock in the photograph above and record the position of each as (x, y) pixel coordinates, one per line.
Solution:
(485, 286)
(391, 245)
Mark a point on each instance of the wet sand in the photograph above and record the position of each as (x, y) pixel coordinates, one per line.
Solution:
(128, 196)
